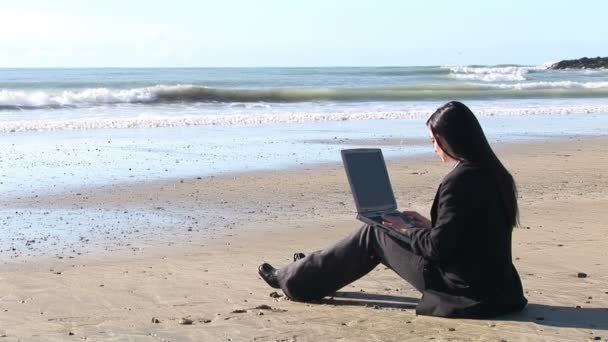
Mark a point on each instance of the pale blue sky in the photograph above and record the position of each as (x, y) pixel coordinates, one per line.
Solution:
(148, 33)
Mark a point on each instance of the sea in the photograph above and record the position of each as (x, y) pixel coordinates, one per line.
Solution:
(64, 130)
(67, 128)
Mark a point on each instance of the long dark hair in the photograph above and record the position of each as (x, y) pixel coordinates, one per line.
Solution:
(458, 133)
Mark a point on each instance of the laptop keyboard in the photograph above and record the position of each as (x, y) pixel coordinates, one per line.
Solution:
(376, 218)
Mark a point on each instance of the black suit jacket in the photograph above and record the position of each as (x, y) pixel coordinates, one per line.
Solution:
(468, 268)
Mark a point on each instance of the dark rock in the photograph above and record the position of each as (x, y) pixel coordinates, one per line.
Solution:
(581, 275)
(263, 307)
(155, 320)
(582, 63)
(185, 321)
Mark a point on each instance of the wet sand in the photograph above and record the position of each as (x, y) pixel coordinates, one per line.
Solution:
(189, 248)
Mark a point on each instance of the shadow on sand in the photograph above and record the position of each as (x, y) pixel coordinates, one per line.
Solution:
(370, 300)
(541, 314)
(562, 316)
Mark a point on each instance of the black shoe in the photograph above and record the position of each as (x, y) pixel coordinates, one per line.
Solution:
(298, 256)
(269, 274)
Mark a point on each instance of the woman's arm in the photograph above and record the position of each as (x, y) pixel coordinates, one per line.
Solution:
(419, 220)
(398, 224)
(455, 200)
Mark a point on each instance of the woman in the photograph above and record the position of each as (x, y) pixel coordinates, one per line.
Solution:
(460, 259)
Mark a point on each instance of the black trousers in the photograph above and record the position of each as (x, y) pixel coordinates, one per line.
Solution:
(324, 272)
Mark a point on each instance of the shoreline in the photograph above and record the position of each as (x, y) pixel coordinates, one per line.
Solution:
(61, 161)
(498, 146)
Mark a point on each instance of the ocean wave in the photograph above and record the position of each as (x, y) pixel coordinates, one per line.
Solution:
(24, 100)
(493, 73)
(19, 99)
(258, 118)
(161, 94)
(550, 85)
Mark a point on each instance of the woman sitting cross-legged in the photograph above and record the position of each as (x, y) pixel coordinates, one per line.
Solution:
(460, 259)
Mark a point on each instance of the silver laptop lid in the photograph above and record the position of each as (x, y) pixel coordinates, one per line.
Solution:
(368, 178)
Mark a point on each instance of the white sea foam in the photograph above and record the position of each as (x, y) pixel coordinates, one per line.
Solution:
(492, 77)
(492, 74)
(228, 119)
(550, 85)
(74, 98)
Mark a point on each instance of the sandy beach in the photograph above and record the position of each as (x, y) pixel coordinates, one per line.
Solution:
(141, 284)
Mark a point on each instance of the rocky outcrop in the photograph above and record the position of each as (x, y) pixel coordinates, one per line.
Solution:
(582, 63)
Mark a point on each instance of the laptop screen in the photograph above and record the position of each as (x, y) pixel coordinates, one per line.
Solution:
(368, 179)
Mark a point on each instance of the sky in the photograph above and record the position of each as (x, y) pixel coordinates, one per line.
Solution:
(249, 33)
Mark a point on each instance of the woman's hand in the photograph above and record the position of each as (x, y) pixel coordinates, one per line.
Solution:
(419, 220)
(396, 223)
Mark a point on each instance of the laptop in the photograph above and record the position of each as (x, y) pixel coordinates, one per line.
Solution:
(371, 188)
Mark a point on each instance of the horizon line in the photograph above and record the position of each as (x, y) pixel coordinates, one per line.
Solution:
(264, 67)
